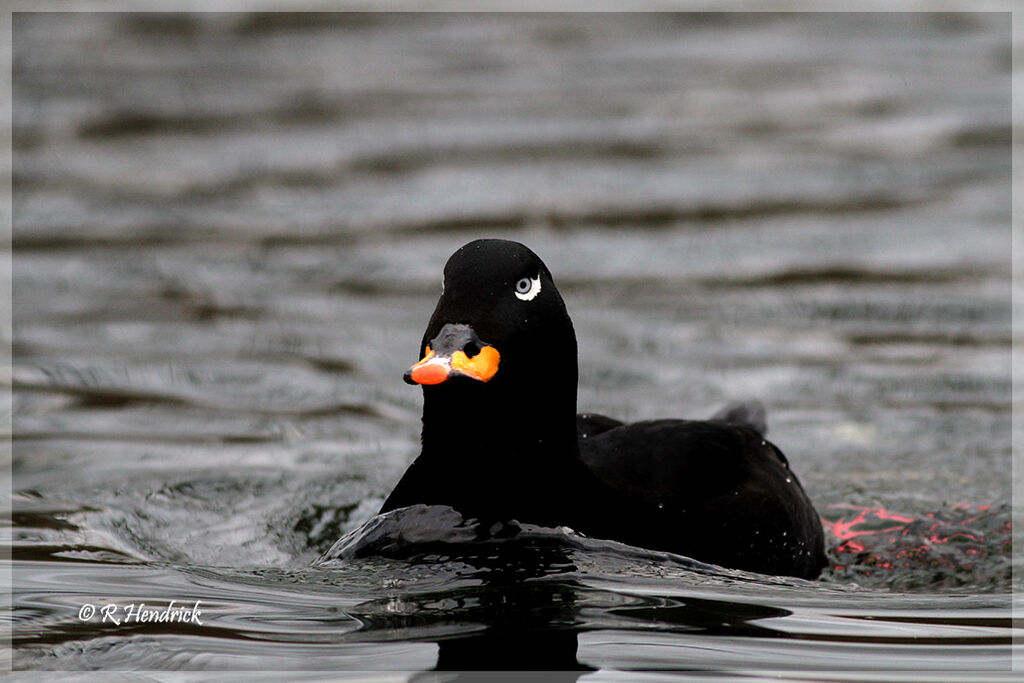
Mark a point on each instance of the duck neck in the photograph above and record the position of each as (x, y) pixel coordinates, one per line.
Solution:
(499, 454)
(479, 429)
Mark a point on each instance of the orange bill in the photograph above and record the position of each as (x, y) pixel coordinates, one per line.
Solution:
(480, 367)
(434, 369)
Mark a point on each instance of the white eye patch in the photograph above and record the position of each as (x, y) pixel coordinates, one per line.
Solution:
(528, 288)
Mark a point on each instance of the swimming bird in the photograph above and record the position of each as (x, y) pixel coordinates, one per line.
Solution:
(501, 439)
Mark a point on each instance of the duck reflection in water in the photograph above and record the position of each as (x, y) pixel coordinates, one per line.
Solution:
(517, 600)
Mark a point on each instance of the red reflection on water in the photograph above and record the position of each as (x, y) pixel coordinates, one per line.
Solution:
(843, 529)
(889, 540)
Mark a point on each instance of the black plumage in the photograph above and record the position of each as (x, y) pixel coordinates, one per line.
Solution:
(502, 440)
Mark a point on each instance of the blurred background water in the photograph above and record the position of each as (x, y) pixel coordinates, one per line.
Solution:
(228, 235)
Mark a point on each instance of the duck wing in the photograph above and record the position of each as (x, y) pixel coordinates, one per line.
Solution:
(712, 490)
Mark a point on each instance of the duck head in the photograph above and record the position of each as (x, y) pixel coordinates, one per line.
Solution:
(499, 351)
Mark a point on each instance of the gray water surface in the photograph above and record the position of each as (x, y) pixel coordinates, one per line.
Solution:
(229, 231)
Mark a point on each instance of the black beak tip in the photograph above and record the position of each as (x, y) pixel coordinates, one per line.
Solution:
(407, 377)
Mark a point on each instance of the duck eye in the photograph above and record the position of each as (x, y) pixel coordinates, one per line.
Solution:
(527, 288)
